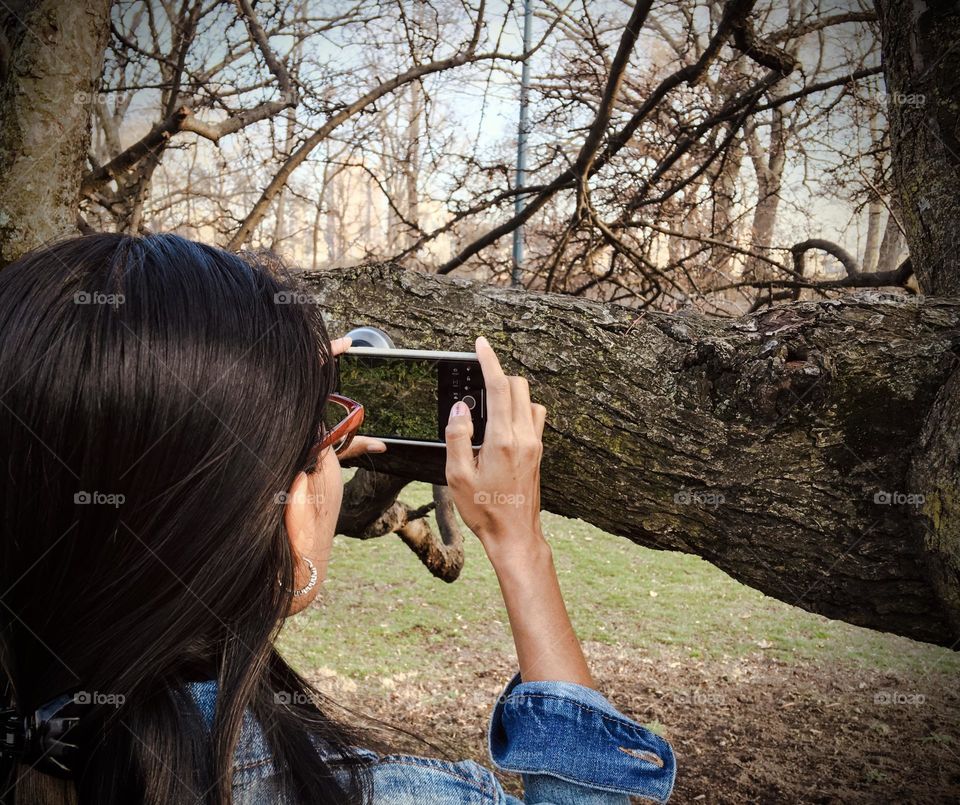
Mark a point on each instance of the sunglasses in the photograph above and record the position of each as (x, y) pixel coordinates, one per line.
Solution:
(342, 418)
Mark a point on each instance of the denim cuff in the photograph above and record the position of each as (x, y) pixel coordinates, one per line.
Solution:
(573, 733)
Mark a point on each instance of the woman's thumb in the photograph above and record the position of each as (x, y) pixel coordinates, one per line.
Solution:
(459, 434)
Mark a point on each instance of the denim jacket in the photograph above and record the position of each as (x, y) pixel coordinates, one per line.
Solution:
(571, 746)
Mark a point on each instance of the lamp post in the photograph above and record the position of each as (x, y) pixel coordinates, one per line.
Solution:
(522, 131)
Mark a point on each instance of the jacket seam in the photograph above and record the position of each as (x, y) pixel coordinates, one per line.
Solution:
(648, 797)
(586, 707)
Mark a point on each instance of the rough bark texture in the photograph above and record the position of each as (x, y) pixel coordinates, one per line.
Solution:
(935, 469)
(47, 91)
(759, 443)
(921, 61)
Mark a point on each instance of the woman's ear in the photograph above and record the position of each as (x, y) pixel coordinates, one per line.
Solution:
(299, 518)
(310, 518)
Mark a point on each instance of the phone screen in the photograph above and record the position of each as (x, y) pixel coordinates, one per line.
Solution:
(410, 398)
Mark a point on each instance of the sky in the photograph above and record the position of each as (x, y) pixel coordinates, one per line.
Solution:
(485, 107)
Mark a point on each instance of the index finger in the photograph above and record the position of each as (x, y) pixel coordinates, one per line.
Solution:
(360, 446)
(497, 386)
(340, 345)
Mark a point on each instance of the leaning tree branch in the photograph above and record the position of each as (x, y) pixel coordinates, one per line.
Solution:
(259, 210)
(771, 445)
(274, 64)
(797, 30)
(182, 119)
(896, 278)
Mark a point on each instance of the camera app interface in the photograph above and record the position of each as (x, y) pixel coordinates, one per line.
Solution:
(411, 398)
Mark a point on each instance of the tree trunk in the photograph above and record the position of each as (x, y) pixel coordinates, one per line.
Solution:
(892, 244)
(768, 166)
(48, 86)
(921, 61)
(411, 165)
(769, 445)
(875, 206)
(871, 251)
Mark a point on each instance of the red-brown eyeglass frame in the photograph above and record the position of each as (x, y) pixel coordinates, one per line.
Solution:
(341, 434)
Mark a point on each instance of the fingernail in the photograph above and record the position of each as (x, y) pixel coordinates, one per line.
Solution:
(377, 448)
(459, 408)
(482, 340)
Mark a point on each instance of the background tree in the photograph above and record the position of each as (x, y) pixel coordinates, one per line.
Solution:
(50, 62)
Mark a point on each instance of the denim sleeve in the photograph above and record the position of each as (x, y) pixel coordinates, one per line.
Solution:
(572, 746)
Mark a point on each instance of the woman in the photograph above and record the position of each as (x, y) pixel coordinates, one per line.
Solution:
(170, 495)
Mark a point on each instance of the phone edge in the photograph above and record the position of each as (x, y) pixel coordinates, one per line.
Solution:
(413, 353)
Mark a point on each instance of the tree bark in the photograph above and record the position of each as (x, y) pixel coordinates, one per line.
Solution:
(892, 244)
(921, 60)
(871, 251)
(769, 444)
(935, 470)
(768, 166)
(47, 90)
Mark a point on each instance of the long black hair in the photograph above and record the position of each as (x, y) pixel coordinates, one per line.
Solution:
(155, 396)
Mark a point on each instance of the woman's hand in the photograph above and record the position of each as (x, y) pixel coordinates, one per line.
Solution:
(359, 445)
(498, 491)
(498, 495)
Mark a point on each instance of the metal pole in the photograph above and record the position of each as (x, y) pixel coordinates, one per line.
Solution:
(522, 131)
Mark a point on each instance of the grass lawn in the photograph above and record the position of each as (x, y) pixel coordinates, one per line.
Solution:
(382, 613)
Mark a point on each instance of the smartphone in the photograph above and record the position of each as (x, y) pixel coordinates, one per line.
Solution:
(407, 394)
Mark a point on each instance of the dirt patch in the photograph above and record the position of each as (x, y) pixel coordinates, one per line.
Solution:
(747, 730)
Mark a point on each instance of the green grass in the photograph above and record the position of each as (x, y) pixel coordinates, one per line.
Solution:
(382, 613)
